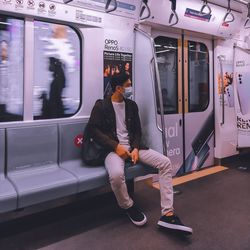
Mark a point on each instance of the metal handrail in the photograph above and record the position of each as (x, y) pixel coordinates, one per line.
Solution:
(229, 14)
(144, 7)
(152, 70)
(158, 83)
(220, 58)
(204, 6)
(248, 17)
(243, 49)
(107, 10)
(67, 1)
(173, 14)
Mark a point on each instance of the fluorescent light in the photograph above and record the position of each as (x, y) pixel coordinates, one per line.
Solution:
(162, 51)
(243, 1)
(169, 47)
(198, 51)
(5, 23)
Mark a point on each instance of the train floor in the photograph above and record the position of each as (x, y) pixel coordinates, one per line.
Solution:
(216, 207)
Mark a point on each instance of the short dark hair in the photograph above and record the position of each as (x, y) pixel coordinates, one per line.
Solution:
(118, 80)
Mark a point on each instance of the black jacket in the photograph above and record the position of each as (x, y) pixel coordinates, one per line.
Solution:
(102, 124)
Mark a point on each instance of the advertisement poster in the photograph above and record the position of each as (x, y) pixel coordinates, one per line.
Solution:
(195, 14)
(114, 64)
(228, 84)
(242, 95)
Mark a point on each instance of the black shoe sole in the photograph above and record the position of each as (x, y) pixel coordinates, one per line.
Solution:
(179, 228)
(139, 223)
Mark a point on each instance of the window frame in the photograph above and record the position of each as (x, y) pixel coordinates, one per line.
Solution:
(27, 105)
(23, 74)
(176, 111)
(208, 78)
(81, 40)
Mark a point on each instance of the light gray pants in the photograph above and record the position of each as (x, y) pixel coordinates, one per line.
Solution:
(115, 167)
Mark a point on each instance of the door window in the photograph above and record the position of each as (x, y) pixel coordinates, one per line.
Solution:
(167, 59)
(198, 74)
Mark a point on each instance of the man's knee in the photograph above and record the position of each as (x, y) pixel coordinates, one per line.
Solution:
(117, 178)
(165, 164)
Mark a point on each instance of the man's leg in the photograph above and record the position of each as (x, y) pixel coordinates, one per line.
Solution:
(115, 167)
(163, 164)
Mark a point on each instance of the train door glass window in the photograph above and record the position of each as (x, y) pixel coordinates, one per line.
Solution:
(198, 67)
(57, 71)
(11, 68)
(167, 59)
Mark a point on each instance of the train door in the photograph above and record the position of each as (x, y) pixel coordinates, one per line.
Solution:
(185, 72)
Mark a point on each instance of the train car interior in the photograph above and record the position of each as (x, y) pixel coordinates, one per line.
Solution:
(186, 62)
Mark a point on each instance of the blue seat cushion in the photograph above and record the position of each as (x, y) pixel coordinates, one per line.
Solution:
(8, 195)
(39, 184)
(93, 177)
(88, 177)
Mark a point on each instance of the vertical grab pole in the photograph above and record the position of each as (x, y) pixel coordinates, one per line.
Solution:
(158, 83)
(152, 71)
(220, 58)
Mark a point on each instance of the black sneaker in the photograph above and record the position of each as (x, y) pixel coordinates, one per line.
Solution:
(173, 222)
(136, 216)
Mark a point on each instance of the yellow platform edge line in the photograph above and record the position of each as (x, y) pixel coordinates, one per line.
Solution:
(194, 176)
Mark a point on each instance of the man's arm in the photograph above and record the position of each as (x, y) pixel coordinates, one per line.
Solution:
(137, 128)
(95, 126)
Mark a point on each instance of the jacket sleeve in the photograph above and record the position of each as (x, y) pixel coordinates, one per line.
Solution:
(137, 128)
(96, 123)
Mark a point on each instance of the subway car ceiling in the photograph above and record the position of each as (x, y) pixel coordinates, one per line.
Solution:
(219, 18)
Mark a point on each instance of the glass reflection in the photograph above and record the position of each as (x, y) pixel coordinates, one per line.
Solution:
(198, 76)
(11, 68)
(57, 71)
(167, 56)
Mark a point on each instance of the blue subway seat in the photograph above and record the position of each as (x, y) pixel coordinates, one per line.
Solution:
(32, 165)
(42, 167)
(88, 177)
(8, 195)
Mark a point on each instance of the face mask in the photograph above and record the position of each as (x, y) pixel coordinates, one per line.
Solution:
(128, 92)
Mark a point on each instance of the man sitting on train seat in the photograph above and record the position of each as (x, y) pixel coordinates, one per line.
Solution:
(118, 129)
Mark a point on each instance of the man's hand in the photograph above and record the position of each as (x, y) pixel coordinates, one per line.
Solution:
(134, 155)
(122, 152)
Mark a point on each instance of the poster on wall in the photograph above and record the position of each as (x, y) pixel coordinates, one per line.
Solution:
(242, 95)
(227, 81)
(114, 64)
